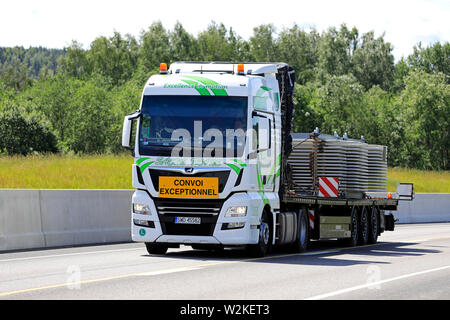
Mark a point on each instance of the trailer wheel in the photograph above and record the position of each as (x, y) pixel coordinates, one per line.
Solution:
(363, 226)
(354, 228)
(156, 248)
(301, 243)
(262, 247)
(373, 226)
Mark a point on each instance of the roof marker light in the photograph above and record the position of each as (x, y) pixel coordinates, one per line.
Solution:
(240, 69)
(163, 68)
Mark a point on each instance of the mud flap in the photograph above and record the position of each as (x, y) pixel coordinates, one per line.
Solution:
(389, 222)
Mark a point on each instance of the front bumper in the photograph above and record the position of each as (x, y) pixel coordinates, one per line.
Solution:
(241, 236)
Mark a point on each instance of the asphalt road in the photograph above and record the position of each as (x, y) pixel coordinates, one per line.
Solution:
(413, 262)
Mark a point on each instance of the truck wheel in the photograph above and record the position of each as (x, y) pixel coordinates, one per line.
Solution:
(156, 248)
(261, 249)
(354, 228)
(373, 226)
(301, 243)
(363, 226)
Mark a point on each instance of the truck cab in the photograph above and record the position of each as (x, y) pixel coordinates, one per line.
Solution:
(207, 156)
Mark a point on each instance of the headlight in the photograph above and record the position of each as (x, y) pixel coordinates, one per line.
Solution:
(236, 212)
(141, 208)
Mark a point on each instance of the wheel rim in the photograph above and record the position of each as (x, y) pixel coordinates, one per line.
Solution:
(264, 233)
(355, 225)
(364, 224)
(374, 224)
(302, 230)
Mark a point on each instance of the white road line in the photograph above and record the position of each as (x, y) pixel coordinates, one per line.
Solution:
(338, 292)
(68, 254)
(158, 272)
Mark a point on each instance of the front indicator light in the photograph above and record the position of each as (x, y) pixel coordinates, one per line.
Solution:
(233, 225)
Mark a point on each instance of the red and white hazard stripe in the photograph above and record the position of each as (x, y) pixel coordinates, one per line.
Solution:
(328, 187)
(311, 218)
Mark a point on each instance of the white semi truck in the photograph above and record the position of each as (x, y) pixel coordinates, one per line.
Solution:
(216, 165)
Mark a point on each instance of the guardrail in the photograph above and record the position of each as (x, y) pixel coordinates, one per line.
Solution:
(51, 218)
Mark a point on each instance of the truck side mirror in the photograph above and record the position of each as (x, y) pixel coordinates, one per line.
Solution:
(127, 126)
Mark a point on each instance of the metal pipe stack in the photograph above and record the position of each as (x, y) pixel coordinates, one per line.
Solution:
(360, 167)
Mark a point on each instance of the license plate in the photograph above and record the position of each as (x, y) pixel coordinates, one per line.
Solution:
(189, 187)
(188, 220)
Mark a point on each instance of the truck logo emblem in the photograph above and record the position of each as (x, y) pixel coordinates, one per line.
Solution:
(189, 170)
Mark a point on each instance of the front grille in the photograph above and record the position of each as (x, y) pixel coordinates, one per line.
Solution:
(222, 175)
(208, 210)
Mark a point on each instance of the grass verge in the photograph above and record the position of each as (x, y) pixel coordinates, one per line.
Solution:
(114, 172)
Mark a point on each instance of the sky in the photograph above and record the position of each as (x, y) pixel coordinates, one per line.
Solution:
(54, 24)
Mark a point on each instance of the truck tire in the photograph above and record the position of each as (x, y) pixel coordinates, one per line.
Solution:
(302, 241)
(374, 226)
(262, 247)
(156, 248)
(363, 226)
(354, 228)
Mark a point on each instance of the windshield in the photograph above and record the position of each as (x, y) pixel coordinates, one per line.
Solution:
(211, 126)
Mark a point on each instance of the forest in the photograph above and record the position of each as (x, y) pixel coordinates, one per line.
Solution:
(73, 100)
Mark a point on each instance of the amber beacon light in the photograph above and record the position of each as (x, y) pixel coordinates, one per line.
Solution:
(163, 68)
(240, 68)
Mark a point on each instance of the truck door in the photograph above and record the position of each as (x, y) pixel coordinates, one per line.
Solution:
(266, 158)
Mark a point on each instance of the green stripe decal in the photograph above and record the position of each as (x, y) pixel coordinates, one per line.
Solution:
(235, 168)
(265, 88)
(139, 161)
(202, 91)
(212, 85)
(261, 187)
(240, 162)
(278, 172)
(143, 167)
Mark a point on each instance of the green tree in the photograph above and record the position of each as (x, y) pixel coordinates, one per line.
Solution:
(433, 59)
(214, 45)
(115, 58)
(90, 119)
(373, 62)
(299, 49)
(183, 46)
(16, 76)
(263, 44)
(401, 70)
(24, 134)
(425, 103)
(75, 63)
(338, 105)
(154, 48)
(336, 48)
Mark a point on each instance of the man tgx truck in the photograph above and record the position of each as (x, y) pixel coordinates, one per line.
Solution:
(216, 165)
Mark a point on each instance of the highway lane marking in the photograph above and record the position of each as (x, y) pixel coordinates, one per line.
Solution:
(157, 272)
(68, 254)
(196, 267)
(371, 284)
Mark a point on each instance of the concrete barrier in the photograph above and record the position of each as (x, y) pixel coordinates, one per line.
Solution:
(50, 218)
(426, 207)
